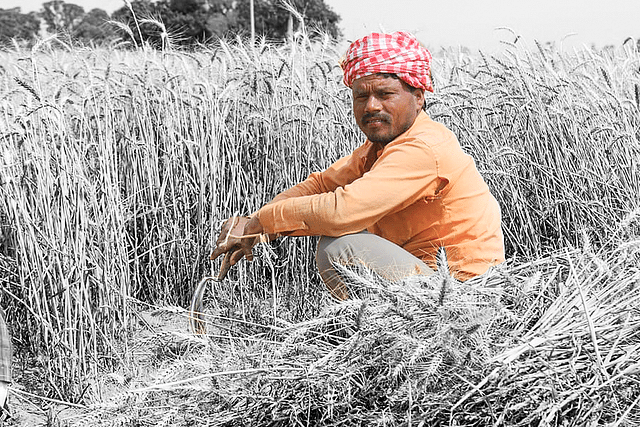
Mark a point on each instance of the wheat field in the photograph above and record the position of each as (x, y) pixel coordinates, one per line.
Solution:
(117, 168)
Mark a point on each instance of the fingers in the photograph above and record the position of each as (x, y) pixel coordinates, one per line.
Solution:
(248, 254)
(225, 242)
(233, 244)
(223, 249)
(242, 252)
(220, 249)
(225, 267)
(231, 258)
(216, 253)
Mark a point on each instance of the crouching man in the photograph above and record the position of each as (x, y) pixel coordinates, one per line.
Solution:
(391, 203)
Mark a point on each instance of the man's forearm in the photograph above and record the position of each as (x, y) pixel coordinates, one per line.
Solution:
(309, 186)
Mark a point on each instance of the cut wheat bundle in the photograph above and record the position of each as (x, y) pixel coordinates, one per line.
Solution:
(536, 344)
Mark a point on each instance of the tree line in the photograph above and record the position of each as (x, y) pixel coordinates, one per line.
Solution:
(184, 22)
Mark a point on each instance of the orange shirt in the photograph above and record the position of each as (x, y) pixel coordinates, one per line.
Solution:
(420, 191)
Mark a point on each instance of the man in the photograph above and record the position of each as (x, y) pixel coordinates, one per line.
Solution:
(408, 190)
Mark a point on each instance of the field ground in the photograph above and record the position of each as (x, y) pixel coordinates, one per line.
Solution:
(162, 349)
(165, 362)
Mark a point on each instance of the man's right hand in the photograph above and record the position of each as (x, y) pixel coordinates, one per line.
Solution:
(233, 244)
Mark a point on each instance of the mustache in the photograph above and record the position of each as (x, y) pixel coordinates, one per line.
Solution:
(377, 116)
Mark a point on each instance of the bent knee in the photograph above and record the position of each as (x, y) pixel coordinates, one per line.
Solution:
(322, 252)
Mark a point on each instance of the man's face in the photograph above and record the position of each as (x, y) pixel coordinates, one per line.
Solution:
(385, 106)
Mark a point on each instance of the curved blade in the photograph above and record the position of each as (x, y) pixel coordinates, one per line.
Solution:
(197, 323)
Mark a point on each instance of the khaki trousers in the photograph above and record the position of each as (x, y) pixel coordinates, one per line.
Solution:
(385, 258)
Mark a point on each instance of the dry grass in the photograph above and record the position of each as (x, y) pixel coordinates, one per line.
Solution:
(550, 342)
(555, 135)
(116, 168)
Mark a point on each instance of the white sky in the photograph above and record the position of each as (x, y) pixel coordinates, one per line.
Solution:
(470, 23)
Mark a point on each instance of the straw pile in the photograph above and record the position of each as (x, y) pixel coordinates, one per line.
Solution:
(549, 342)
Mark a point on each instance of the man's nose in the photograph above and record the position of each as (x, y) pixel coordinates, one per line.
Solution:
(373, 104)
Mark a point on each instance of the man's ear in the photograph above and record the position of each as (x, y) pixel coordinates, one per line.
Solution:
(419, 96)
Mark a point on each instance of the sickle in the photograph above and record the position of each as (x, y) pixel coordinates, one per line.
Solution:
(197, 323)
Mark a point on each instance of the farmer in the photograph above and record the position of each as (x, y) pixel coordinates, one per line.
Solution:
(391, 203)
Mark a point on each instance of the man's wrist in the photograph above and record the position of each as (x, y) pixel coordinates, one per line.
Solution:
(253, 226)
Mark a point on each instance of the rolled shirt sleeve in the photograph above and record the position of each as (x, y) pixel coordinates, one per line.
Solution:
(396, 180)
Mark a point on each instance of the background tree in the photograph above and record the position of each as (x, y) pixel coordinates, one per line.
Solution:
(191, 21)
(273, 20)
(222, 17)
(188, 19)
(61, 17)
(93, 28)
(17, 25)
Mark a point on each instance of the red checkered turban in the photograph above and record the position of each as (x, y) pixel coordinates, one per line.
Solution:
(398, 53)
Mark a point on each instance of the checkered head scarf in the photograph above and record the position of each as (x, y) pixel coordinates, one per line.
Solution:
(398, 53)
